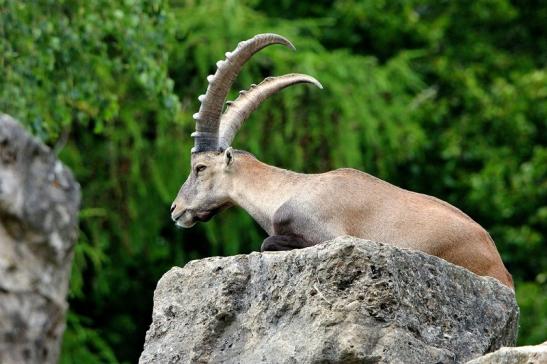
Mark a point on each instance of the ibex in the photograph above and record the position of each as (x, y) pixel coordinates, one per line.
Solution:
(300, 210)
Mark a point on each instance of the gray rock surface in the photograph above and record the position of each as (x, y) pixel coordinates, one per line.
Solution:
(39, 201)
(344, 301)
(533, 354)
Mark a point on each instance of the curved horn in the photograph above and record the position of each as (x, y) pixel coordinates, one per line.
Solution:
(208, 117)
(248, 101)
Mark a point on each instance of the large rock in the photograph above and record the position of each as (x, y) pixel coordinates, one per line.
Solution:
(344, 301)
(534, 354)
(39, 202)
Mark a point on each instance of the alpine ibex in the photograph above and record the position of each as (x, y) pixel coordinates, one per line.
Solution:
(299, 210)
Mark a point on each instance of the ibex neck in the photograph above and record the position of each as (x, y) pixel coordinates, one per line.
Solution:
(261, 189)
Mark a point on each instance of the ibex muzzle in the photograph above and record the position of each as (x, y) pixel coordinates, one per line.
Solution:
(205, 191)
(299, 210)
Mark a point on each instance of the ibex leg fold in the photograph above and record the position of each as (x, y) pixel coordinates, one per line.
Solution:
(283, 242)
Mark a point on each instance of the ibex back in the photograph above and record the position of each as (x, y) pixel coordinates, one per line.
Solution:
(300, 210)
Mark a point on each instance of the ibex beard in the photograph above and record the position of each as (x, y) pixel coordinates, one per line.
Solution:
(300, 210)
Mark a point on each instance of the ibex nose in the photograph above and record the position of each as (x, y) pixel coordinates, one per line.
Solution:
(173, 207)
(175, 215)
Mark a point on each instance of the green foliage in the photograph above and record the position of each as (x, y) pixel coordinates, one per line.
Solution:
(82, 344)
(532, 297)
(445, 98)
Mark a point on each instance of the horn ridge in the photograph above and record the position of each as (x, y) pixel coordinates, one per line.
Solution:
(241, 108)
(208, 117)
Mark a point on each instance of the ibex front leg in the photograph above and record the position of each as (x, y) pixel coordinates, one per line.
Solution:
(283, 242)
(289, 227)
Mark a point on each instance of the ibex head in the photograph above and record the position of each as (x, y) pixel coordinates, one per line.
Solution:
(214, 169)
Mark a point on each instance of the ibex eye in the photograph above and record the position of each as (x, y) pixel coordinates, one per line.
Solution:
(200, 168)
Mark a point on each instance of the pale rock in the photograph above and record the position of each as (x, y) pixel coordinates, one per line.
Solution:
(344, 301)
(39, 202)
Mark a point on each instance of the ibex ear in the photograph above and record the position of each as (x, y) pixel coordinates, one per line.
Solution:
(228, 156)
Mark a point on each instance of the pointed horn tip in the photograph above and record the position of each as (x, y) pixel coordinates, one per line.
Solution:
(291, 46)
(279, 38)
(318, 84)
(287, 43)
(306, 78)
(314, 81)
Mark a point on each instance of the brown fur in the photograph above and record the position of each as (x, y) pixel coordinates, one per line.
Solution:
(298, 210)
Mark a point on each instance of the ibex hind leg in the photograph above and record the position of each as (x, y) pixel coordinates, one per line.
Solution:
(283, 242)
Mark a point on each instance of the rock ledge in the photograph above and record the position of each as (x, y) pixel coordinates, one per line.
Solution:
(343, 301)
(533, 354)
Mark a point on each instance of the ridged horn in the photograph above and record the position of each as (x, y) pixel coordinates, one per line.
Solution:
(248, 101)
(208, 117)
